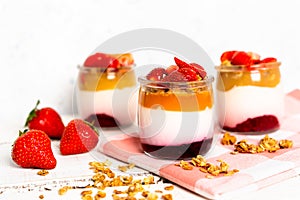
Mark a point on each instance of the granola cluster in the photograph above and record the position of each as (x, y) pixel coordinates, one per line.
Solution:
(206, 167)
(266, 144)
(104, 177)
(43, 172)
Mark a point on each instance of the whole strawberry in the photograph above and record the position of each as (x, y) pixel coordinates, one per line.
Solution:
(79, 137)
(32, 149)
(47, 120)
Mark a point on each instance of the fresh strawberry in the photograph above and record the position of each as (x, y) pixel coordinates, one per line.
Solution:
(47, 120)
(227, 56)
(172, 68)
(241, 58)
(79, 137)
(199, 69)
(189, 74)
(175, 76)
(101, 60)
(268, 60)
(156, 74)
(32, 149)
(181, 63)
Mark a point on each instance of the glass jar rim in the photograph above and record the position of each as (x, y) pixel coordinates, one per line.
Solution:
(100, 69)
(191, 84)
(261, 66)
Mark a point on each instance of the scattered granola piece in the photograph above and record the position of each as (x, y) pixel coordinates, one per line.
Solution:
(100, 194)
(87, 197)
(184, 165)
(148, 180)
(285, 144)
(152, 196)
(41, 196)
(63, 190)
(167, 197)
(228, 139)
(43, 172)
(170, 187)
(124, 168)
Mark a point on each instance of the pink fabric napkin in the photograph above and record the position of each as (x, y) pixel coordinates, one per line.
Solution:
(255, 170)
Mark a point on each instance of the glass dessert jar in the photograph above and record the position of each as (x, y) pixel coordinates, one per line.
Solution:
(106, 90)
(249, 95)
(175, 117)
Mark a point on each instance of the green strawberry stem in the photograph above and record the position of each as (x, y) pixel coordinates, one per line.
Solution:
(32, 114)
(92, 126)
(22, 132)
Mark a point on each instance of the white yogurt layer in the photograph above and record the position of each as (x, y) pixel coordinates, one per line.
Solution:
(162, 128)
(118, 103)
(242, 102)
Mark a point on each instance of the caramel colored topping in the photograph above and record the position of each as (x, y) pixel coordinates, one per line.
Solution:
(177, 101)
(265, 77)
(95, 80)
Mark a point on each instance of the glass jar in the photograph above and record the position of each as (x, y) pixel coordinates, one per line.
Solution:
(106, 97)
(249, 98)
(176, 118)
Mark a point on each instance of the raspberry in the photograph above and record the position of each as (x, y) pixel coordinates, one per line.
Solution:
(256, 124)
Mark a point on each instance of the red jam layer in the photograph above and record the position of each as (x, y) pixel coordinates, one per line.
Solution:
(102, 120)
(258, 124)
(185, 151)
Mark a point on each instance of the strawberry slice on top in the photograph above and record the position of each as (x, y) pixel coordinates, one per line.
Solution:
(268, 60)
(101, 60)
(157, 74)
(181, 72)
(189, 74)
(199, 69)
(241, 58)
(181, 63)
(227, 56)
(194, 66)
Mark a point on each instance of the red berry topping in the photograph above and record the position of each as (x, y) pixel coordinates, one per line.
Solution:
(189, 74)
(227, 56)
(101, 60)
(199, 69)
(181, 72)
(268, 60)
(175, 76)
(261, 123)
(157, 74)
(181, 63)
(172, 68)
(241, 58)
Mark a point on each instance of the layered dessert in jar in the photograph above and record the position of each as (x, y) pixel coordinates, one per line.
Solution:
(175, 113)
(249, 93)
(105, 94)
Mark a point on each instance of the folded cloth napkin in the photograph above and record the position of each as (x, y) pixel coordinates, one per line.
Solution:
(255, 170)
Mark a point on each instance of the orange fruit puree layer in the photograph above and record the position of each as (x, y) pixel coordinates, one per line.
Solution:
(97, 80)
(263, 77)
(177, 101)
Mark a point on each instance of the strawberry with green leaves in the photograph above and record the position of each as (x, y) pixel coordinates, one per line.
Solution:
(32, 149)
(47, 120)
(79, 137)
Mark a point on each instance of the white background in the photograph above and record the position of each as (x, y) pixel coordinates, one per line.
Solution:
(41, 42)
